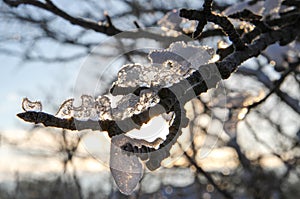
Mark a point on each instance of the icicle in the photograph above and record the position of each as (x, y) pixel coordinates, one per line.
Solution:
(126, 170)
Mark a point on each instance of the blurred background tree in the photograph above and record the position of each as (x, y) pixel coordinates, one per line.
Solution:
(242, 140)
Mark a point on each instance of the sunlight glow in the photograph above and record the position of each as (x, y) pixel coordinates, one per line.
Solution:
(155, 128)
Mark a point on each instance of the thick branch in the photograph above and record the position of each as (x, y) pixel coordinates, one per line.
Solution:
(283, 36)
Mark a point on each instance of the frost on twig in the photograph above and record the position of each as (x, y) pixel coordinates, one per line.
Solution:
(101, 108)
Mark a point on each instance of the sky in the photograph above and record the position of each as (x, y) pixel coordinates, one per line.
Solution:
(33, 80)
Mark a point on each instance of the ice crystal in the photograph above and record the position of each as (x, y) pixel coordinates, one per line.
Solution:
(167, 66)
(131, 104)
(101, 108)
(66, 109)
(130, 74)
(89, 108)
(126, 170)
(84, 112)
(28, 105)
(125, 106)
(172, 24)
(186, 55)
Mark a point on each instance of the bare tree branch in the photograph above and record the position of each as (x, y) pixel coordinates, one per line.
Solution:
(51, 7)
(290, 101)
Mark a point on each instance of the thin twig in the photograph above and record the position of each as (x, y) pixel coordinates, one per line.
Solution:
(207, 176)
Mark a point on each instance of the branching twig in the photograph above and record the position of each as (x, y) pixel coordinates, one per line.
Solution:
(207, 176)
(290, 101)
(208, 16)
(275, 87)
(51, 7)
(230, 63)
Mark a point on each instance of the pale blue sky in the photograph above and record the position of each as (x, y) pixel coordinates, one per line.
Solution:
(34, 80)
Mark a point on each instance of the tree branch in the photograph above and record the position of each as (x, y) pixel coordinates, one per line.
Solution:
(207, 16)
(207, 176)
(183, 89)
(283, 36)
(51, 7)
(275, 86)
(291, 102)
(107, 29)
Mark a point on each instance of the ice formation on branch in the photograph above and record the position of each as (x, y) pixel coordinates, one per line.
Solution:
(167, 67)
(131, 104)
(90, 108)
(126, 170)
(101, 107)
(28, 105)
(173, 24)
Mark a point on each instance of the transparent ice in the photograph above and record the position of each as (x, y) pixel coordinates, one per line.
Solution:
(126, 170)
(131, 104)
(167, 67)
(28, 105)
(83, 112)
(101, 108)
